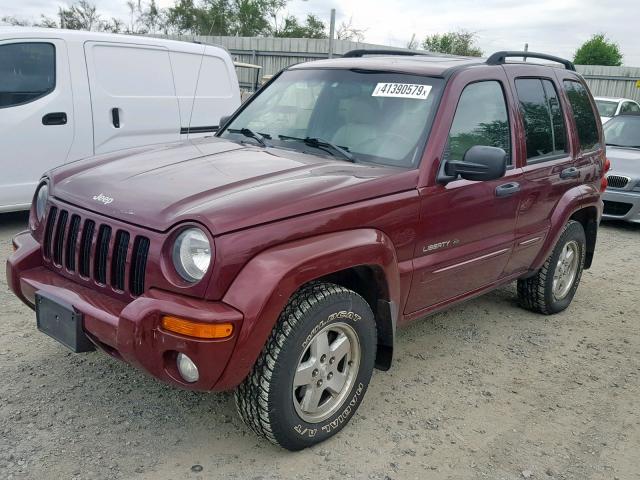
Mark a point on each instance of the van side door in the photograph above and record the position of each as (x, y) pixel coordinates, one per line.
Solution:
(132, 95)
(36, 115)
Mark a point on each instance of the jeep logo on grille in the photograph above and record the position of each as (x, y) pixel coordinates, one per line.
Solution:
(103, 198)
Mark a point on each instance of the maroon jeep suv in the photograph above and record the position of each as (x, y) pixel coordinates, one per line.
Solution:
(348, 197)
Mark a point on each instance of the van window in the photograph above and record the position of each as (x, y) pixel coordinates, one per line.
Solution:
(583, 114)
(481, 119)
(542, 114)
(27, 72)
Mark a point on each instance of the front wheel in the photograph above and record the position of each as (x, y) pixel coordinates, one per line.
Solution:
(314, 370)
(553, 287)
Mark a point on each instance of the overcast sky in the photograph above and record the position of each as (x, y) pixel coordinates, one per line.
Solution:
(551, 26)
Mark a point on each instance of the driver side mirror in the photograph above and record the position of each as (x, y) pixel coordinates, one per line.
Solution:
(223, 121)
(480, 163)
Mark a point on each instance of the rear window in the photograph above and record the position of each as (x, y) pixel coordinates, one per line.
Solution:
(542, 115)
(606, 108)
(583, 114)
(27, 72)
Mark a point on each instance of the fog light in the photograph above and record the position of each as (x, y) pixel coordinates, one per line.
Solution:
(187, 368)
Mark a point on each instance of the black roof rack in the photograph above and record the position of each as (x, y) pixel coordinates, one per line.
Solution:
(362, 53)
(499, 58)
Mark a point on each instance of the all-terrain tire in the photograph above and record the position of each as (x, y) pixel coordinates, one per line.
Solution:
(266, 399)
(537, 293)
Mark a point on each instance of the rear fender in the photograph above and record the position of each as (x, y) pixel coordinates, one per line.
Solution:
(265, 284)
(573, 200)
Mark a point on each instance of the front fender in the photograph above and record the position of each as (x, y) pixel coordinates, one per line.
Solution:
(263, 287)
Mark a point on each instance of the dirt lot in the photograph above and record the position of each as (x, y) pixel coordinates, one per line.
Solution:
(483, 391)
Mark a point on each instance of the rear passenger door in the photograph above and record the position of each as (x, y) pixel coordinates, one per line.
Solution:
(551, 167)
(132, 95)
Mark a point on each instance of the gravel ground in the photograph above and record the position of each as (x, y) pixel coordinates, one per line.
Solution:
(485, 390)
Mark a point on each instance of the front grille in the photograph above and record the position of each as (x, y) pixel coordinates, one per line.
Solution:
(90, 250)
(616, 181)
(618, 209)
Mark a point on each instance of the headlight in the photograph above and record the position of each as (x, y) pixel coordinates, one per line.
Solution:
(41, 201)
(192, 254)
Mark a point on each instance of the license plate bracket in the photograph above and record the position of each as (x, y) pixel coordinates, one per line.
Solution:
(62, 322)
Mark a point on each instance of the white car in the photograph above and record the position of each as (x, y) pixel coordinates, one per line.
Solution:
(66, 95)
(609, 107)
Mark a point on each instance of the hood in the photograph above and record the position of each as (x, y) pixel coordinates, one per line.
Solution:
(221, 184)
(624, 161)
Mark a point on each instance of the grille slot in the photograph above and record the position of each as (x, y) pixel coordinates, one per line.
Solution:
(138, 265)
(618, 209)
(119, 260)
(72, 239)
(48, 232)
(617, 181)
(102, 254)
(85, 247)
(114, 258)
(58, 240)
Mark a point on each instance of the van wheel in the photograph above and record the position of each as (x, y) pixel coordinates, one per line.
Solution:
(314, 370)
(553, 287)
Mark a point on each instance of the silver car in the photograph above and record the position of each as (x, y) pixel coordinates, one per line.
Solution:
(622, 197)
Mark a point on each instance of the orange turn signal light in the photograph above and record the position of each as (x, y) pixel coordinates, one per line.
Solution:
(196, 329)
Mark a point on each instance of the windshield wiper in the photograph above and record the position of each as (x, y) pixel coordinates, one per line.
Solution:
(322, 145)
(247, 132)
(622, 146)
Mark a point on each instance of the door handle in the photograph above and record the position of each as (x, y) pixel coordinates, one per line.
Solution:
(507, 189)
(55, 118)
(115, 117)
(571, 172)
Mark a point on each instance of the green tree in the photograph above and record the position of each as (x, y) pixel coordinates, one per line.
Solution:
(292, 28)
(82, 15)
(461, 43)
(598, 50)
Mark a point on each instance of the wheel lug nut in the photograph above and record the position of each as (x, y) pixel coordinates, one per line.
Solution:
(323, 358)
(332, 360)
(330, 376)
(319, 383)
(314, 373)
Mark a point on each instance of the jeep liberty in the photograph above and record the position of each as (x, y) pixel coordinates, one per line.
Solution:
(348, 197)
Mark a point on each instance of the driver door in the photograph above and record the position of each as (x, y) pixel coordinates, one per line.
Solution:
(467, 228)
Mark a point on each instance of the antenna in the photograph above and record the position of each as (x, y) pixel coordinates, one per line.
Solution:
(195, 89)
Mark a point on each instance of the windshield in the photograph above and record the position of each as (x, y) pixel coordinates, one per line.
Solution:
(606, 108)
(623, 131)
(369, 116)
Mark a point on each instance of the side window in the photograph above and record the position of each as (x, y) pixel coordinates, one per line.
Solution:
(27, 72)
(543, 121)
(629, 107)
(481, 119)
(583, 114)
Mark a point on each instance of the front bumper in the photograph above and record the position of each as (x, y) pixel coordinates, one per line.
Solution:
(130, 331)
(622, 205)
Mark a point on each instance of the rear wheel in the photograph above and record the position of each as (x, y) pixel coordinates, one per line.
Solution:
(553, 287)
(314, 370)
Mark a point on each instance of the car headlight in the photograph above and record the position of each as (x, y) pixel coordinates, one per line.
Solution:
(41, 201)
(192, 254)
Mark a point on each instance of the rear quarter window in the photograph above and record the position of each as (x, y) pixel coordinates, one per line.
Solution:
(585, 117)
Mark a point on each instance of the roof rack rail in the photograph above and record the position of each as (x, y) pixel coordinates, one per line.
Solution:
(499, 58)
(362, 53)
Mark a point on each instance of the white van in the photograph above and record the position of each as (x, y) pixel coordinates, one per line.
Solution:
(65, 95)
